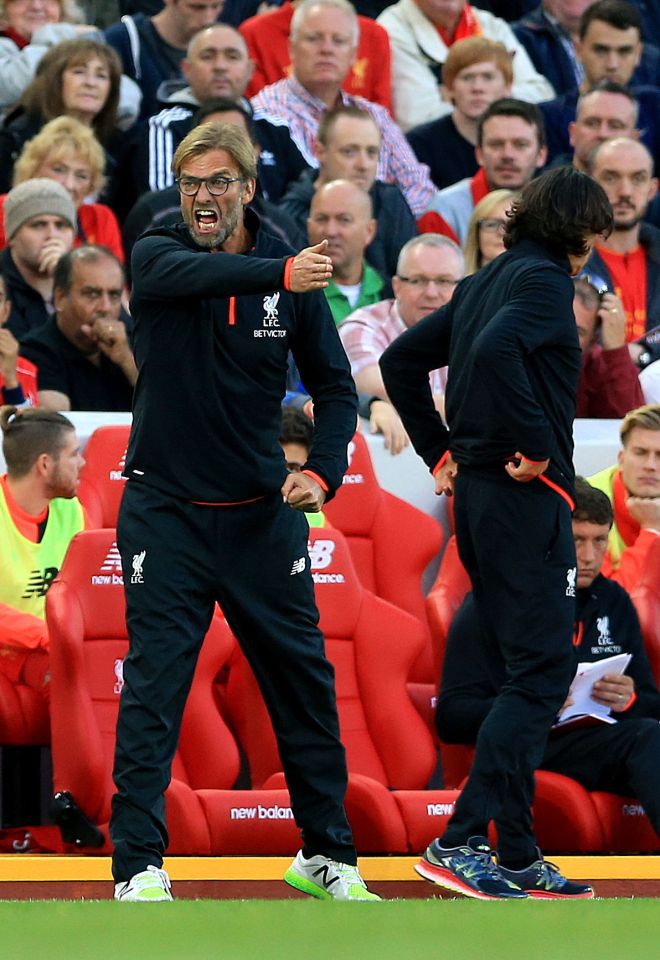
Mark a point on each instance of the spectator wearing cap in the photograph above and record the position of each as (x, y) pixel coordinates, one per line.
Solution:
(40, 226)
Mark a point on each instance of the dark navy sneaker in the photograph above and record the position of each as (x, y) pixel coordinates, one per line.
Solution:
(544, 881)
(469, 870)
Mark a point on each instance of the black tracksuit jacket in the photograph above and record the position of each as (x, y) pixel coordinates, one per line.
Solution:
(212, 369)
(509, 338)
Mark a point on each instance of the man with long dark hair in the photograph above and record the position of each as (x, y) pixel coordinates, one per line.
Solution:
(509, 338)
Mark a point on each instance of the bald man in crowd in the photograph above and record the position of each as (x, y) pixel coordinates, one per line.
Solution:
(342, 213)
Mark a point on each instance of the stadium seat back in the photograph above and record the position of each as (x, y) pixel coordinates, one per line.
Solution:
(391, 541)
(86, 618)
(646, 597)
(443, 600)
(371, 645)
(24, 719)
(626, 827)
(101, 483)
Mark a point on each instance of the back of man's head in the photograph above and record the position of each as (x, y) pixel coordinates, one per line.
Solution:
(562, 210)
(296, 427)
(591, 505)
(28, 433)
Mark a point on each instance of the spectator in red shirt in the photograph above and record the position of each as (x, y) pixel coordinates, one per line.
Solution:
(629, 260)
(267, 38)
(609, 382)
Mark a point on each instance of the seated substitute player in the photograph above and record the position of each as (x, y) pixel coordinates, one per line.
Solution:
(219, 296)
(39, 514)
(633, 487)
(623, 757)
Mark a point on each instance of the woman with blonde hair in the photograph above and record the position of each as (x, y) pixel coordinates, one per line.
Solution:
(67, 151)
(76, 78)
(485, 235)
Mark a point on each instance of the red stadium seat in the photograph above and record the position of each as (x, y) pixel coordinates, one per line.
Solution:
(101, 483)
(391, 542)
(626, 827)
(646, 597)
(23, 715)
(390, 751)
(85, 613)
(443, 600)
(565, 819)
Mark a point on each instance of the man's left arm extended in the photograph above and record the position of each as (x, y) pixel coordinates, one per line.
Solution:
(326, 374)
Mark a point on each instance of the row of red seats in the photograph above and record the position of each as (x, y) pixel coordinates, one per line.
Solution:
(384, 667)
(390, 750)
(391, 542)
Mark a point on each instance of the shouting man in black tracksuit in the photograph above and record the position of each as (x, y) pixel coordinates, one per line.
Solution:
(509, 338)
(210, 513)
(623, 757)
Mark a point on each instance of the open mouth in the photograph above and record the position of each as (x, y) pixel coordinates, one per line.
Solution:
(206, 219)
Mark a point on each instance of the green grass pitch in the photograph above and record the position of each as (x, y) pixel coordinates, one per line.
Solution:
(311, 930)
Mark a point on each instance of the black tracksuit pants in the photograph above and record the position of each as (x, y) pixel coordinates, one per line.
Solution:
(516, 543)
(243, 557)
(619, 758)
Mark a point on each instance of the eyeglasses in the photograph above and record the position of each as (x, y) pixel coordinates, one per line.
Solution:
(418, 283)
(216, 186)
(493, 225)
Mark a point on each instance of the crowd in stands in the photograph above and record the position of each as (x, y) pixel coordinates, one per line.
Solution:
(402, 134)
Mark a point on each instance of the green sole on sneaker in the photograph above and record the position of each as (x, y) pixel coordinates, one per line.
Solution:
(306, 886)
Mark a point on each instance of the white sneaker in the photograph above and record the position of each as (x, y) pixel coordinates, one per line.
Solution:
(327, 879)
(150, 886)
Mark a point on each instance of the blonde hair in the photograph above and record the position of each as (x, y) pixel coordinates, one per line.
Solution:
(646, 418)
(58, 139)
(486, 206)
(217, 136)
